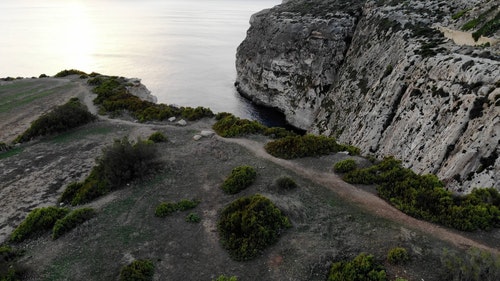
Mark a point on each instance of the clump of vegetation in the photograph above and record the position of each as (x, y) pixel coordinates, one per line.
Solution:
(229, 126)
(38, 221)
(157, 137)
(345, 166)
(308, 145)
(69, 72)
(113, 98)
(239, 179)
(226, 278)
(398, 255)
(475, 265)
(165, 209)
(120, 164)
(361, 268)
(459, 14)
(424, 196)
(4, 147)
(9, 270)
(65, 117)
(285, 183)
(249, 225)
(488, 29)
(193, 217)
(138, 270)
(72, 220)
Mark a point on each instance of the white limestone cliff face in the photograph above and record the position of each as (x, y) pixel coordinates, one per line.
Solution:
(401, 88)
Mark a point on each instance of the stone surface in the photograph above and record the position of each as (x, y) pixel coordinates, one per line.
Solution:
(182, 122)
(380, 76)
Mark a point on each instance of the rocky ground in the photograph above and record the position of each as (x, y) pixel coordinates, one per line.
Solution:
(331, 220)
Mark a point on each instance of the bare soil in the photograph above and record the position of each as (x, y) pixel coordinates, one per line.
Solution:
(331, 220)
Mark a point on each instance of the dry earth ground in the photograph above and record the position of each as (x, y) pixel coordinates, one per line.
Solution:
(330, 221)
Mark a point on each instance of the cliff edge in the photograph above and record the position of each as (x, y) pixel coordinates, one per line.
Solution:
(393, 78)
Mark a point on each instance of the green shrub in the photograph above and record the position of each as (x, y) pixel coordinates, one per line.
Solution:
(488, 29)
(193, 217)
(459, 14)
(65, 117)
(345, 166)
(398, 255)
(138, 270)
(475, 265)
(285, 183)
(230, 126)
(66, 72)
(197, 113)
(239, 179)
(71, 221)
(121, 163)
(37, 221)
(424, 196)
(303, 146)
(226, 278)
(165, 209)
(249, 225)
(157, 137)
(361, 268)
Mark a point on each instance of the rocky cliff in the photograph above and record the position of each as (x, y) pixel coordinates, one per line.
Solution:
(381, 75)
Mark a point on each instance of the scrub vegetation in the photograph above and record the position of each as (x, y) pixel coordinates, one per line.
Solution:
(305, 146)
(239, 179)
(424, 197)
(38, 221)
(138, 270)
(230, 126)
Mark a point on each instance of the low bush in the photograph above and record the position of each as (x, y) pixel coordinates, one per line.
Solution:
(120, 164)
(424, 196)
(229, 126)
(239, 179)
(303, 146)
(113, 98)
(38, 221)
(249, 225)
(157, 137)
(361, 268)
(138, 270)
(66, 72)
(475, 265)
(65, 117)
(285, 183)
(165, 209)
(9, 270)
(345, 166)
(226, 278)
(193, 217)
(398, 255)
(72, 220)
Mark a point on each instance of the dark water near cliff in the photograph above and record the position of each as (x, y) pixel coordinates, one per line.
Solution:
(183, 50)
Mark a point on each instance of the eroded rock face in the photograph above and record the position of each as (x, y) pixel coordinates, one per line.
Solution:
(398, 87)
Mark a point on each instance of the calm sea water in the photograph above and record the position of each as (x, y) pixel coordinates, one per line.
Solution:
(183, 50)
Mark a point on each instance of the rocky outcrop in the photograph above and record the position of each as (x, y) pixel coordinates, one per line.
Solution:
(390, 83)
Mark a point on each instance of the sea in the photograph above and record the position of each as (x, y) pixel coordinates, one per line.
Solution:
(182, 50)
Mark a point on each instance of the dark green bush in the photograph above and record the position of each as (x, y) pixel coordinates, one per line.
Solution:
(193, 217)
(121, 163)
(229, 126)
(475, 265)
(345, 166)
(488, 29)
(138, 270)
(226, 278)
(38, 221)
(285, 183)
(398, 255)
(157, 137)
(165, 209)
(303, 146)
(66, 72)
(65, 117)
(424, 196)
(239, 179)
(72, 220)
(249, 225)
(361, 268)
(113, 98)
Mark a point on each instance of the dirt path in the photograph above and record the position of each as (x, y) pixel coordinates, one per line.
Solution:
(465, 38)
(365, 200)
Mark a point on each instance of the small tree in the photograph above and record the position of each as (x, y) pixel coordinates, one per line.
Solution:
(240, 178)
